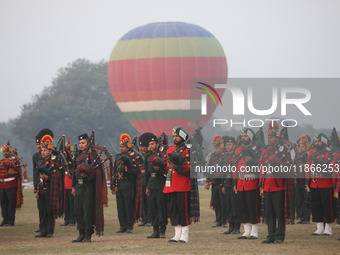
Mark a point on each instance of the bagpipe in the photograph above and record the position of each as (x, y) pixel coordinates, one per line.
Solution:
(64, 155)
(68, 154)
(254, 151)
(284, 149)
(15, 161)
(163, 142)
(195, 146)
(334, 145)
(195, 151)
(99, 160)
(133, 160)
(292, 148)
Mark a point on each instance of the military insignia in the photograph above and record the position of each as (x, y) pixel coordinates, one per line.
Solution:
(53, 157)
(281, 148)
(132, 153)
(11, 171)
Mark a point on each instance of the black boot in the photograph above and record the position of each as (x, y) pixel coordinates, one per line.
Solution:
(80, 238)
(237, 226)
(155, 233)
(231, 228)
(88, 234)
(162, 231)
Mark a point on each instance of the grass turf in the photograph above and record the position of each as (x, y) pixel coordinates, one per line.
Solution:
(203, 239)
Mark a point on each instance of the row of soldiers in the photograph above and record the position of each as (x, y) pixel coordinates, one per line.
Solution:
(63, 173)
(237, 195)
(66, 178)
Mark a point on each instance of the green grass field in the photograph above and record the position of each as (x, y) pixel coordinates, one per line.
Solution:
(203, 239)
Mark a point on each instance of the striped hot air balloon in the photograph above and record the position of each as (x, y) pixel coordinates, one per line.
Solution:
(150, 71)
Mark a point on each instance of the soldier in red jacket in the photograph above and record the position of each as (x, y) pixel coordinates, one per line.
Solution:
(273, 186)
(10, 173)
(178, 185)
(336, 165)
(247, 186)
(321, 185)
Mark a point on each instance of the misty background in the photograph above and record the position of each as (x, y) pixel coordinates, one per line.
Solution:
(48, 47)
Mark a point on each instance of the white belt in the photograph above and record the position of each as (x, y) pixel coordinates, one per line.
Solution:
(246, 176)
(7, 179)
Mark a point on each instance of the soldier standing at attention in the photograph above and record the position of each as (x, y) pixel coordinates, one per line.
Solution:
(321, 185)
(123, 183)
(87, 187)
(36, 158)
(228, 186)
(178, 185)
(144, 140)
(216, 181)
(247, 186)
(50, 188)
(273, 186)
(302, 204)
(155, 166)
(10, 181)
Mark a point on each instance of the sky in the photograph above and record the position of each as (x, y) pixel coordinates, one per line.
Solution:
(261, 39)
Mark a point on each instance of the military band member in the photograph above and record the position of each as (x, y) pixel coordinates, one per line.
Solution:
(247, 186)
(69, 219)
(321, 186)
(216, 181)
(143, 148)
(10, 184)
(302, 201)
(336, 165)
(273, 186)
(123, 183)
(178, 185)
(228, 186)
(36, 158)
(87, 187)
(155, 166)
(50, 189)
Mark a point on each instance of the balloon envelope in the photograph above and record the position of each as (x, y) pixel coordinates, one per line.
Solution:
(151, 70)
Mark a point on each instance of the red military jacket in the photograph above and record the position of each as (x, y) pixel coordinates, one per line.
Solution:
(243, 185)
(68, 182)
(9, 169)
(336, 166)
(179, 182)
(272, 183)
(312, 173)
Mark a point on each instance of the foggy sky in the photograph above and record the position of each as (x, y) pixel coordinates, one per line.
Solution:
(264, 38)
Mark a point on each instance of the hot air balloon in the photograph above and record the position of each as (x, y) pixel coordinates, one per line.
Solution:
(152, 69)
